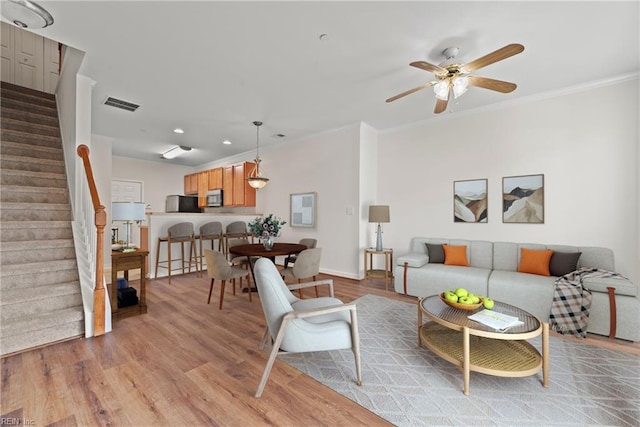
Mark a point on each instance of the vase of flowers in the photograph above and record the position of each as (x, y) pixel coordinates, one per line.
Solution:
(266, 228)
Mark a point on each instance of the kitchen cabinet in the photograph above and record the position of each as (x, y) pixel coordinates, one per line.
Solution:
(191, 184)
(203, 187)
(235, 189)
(214, 179)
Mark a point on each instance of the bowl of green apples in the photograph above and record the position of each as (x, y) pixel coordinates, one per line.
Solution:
(461, 299)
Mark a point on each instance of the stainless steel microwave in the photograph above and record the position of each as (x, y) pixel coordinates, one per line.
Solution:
(214, 198)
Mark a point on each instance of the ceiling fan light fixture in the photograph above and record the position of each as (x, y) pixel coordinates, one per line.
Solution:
(255, 178)
(460, 86)
(441, 89)
(26, 14)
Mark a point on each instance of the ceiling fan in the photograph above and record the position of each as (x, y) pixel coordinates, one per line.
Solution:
(455, 78)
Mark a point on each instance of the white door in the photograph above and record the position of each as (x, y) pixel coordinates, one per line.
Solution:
(29, 60)
(8, 60)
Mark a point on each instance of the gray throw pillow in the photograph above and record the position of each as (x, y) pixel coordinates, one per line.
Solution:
(436, 253)
(562, 263)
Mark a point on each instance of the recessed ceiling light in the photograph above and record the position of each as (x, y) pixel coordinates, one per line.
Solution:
(226, 142)
(178, 130)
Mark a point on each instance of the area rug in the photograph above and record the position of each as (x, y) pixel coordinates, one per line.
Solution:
(410, 386)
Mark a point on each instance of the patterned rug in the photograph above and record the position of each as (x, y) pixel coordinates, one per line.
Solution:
(410, 386)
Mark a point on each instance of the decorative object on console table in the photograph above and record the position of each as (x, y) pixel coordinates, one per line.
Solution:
(125, 261)
(523, 199)
(127, 212)
(369, 271)
(470, 200)
(379, 214)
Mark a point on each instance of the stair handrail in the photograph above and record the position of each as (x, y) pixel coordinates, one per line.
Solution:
(100, 220)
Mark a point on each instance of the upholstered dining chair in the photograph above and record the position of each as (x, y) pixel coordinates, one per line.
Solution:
(219, 268)
(307, 266)
(297, 326)
(309, 243)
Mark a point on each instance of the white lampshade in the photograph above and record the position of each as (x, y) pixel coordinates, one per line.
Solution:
(127, 211)
(460, 85)
(442, 90)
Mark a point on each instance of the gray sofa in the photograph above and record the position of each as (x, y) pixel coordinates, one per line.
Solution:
(492, 272)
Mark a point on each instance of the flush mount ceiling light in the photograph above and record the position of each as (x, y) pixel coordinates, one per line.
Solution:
(175, 152)
(178, 130)
(255, 178)
(26, 14)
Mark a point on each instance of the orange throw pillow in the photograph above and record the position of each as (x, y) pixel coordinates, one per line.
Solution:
(455, 255)
(535, 262)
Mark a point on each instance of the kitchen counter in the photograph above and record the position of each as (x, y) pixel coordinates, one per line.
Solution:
(159, 222)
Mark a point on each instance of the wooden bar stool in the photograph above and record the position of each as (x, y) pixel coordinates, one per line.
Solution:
(211, 231)
(178, 233)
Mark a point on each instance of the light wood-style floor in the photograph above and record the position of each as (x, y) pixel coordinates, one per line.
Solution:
(183, 363)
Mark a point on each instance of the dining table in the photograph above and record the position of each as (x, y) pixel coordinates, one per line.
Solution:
(257, 250)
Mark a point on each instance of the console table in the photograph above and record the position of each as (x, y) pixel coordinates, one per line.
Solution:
(125, 261)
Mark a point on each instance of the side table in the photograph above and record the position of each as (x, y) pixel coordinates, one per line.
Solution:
(125, 261)
(370, 272)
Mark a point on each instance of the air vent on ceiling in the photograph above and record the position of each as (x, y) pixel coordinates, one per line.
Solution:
(119, 103)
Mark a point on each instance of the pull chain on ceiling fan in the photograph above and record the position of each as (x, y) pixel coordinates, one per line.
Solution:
(455, 78)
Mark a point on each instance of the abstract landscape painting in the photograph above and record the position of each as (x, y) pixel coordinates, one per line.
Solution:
(523, 199)
(470, 201)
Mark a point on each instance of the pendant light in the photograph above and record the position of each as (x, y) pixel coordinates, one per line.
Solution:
(255, 178)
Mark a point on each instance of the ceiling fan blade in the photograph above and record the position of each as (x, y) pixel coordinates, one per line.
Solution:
(429, 67)
(498, 55)
(410, 91)
(441, 105)
(491, 84)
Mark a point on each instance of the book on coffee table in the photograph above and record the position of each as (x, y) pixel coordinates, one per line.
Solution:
(493, 319)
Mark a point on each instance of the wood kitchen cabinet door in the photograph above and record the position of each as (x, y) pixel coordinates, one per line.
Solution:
(215, 179)
(235, 189)
(227, 186)
(191, 184)
(203, 187)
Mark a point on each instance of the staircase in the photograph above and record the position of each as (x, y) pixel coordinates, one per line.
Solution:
(40, 299)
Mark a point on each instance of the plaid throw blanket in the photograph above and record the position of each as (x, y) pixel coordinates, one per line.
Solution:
(572, 301)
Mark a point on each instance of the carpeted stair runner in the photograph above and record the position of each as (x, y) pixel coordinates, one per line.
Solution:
(40, 299)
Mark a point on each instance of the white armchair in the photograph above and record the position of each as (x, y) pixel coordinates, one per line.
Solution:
(296, 326)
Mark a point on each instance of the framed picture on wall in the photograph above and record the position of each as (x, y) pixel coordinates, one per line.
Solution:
(523, 199)
(303, 210)
(470, 201)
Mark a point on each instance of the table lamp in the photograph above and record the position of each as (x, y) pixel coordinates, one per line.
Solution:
(379, 214)
(128, 212)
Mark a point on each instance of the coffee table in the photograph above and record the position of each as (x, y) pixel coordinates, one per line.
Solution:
(473, 346)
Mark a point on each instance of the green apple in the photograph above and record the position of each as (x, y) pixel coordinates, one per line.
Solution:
(450, 296)
(488, 303)
(461, 292)
(475, 298)
(465, 300)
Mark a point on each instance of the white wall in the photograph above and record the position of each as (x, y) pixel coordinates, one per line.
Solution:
(328, 165)
(585, 144)
(159, 179)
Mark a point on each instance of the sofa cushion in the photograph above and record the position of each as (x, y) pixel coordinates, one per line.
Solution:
(414, 260)
(600, 284)
(455, 255)
(563, 263)
(535, 262)
(436, 253)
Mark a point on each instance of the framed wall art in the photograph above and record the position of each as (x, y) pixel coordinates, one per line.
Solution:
(523, 199)
(470, 201)
(303, 210)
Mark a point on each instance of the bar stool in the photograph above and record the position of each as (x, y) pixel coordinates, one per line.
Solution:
(177, 233)
(211, 231)
(235, 230)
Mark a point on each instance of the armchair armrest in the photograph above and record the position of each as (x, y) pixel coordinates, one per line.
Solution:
(319, 311)
(328, 282)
